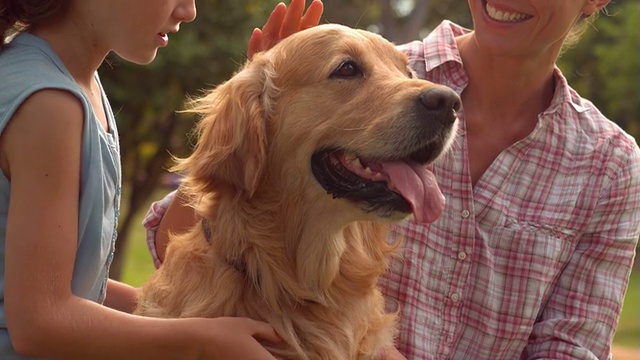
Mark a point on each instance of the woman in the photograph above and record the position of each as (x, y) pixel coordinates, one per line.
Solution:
(532, 254)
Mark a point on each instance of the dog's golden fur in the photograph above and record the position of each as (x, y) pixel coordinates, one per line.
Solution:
(274, 245)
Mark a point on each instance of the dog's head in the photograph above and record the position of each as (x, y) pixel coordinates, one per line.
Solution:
(329, 115)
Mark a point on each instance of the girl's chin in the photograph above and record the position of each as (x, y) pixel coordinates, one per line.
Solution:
(139, 58)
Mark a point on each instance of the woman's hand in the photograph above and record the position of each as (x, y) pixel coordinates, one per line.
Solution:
(283, 22)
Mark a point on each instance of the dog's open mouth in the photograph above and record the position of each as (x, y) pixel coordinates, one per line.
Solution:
(385, 186)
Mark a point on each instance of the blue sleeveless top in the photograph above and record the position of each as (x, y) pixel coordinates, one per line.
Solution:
(28, 64)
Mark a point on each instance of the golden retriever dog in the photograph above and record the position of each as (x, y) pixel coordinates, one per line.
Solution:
(304, 159)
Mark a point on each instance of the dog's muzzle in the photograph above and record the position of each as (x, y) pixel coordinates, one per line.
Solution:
(402, 184)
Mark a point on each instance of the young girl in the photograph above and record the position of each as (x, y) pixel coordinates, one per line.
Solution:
(532, 255)
(60, 188)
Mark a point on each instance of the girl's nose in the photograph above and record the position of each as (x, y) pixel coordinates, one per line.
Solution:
(186, 11)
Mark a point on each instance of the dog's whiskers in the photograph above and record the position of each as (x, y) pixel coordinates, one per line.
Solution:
(340, 128)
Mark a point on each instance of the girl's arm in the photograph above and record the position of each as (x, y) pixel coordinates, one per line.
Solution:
(41, 146)
(120, 296)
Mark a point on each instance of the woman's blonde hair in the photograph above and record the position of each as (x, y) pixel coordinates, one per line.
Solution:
(579, 28)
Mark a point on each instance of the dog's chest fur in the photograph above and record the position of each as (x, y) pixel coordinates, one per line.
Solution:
(220, 271)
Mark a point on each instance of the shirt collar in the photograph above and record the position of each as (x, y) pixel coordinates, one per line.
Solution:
(440, 45)
(564, 95)
(440, 48)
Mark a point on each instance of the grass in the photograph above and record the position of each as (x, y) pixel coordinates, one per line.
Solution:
(628, 331)
(138, 267)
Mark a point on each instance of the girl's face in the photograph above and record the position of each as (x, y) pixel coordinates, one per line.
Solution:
(135, 29)
(527, 27)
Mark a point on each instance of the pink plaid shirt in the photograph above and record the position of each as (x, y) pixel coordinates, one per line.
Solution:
(531, 263)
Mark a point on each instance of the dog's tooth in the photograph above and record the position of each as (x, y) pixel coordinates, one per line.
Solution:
(368, 171)
(357, 162)
(350, 157)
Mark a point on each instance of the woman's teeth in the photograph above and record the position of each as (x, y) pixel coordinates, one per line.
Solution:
(504, 16)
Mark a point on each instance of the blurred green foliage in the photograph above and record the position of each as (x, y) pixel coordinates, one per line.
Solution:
(605, 66)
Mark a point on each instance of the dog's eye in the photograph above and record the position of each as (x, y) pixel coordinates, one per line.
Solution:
(347, 69)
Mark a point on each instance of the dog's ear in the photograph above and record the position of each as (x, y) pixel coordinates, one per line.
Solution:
(232, 140)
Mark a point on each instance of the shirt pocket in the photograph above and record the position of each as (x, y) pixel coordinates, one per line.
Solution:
(518, 265)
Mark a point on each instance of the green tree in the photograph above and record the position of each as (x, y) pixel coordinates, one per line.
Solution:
(605, 66)
(399, 21)
(146, 98)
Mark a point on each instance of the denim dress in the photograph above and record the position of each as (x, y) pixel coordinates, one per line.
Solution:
(27, 65)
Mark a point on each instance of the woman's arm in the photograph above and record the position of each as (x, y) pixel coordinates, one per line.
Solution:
(581, 315)
(45, 319)
(283, 22)
(178, 218)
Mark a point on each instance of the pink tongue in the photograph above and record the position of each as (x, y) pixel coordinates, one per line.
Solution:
(418, 186)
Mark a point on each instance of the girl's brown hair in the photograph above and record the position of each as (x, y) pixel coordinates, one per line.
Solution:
(19, 15)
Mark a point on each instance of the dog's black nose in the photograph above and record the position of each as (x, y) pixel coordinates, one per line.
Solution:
(441, 102)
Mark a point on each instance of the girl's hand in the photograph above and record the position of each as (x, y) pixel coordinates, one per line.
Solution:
(237, 338)
(390, 353)
(283, 22)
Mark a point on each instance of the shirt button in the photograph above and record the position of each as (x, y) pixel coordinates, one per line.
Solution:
(455, 297)
(462, 255)
(449, 339)
(465, 213)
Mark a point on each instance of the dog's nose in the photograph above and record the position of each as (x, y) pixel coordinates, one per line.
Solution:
(441, 102)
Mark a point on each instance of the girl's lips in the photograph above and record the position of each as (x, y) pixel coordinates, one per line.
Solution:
(163, 39)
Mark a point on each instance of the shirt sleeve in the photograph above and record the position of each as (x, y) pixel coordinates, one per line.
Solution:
(151, 222)
(580, 318)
